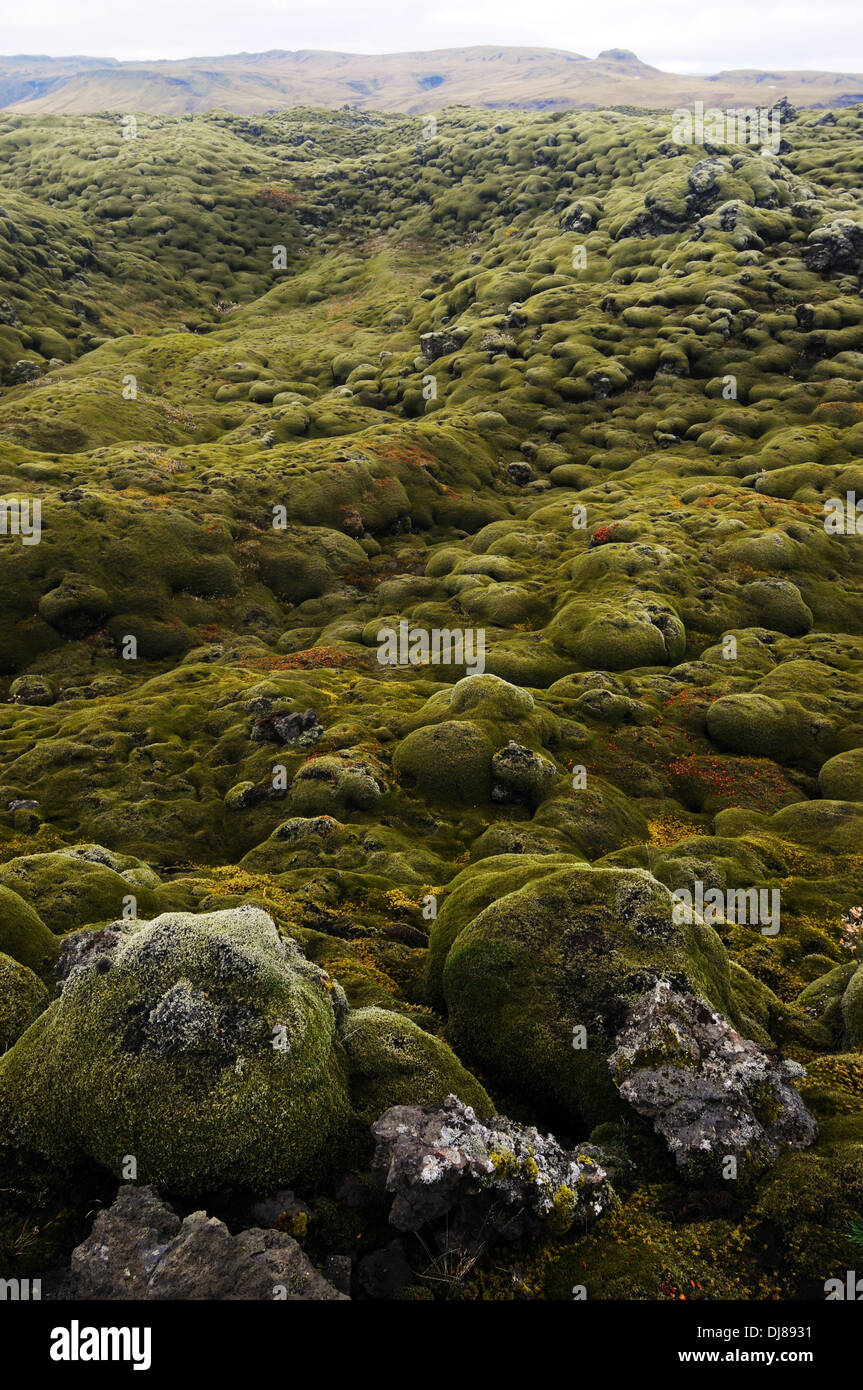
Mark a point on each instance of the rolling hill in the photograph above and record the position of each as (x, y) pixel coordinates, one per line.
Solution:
(538, 78)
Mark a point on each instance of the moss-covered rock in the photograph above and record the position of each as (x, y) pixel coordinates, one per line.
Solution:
(446, 762)
(23, 997)
(852, 1013)
(335, 784)
(522, 775)
(69, 890)
(823, 999)
(841, 778)
(203, 1046)
(618, 638)
(394, 1062)
(753, 724)
(24, 936)
(564, 953)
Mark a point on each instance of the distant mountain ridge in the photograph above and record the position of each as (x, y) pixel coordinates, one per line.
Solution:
(490, 76)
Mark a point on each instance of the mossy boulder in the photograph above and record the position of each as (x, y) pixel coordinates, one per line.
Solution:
(841, 778)
(489, 697)
(753, 724)
(831, 827)
(822, 1000)
(203, 1045)
(23, 997)
(75, 608)
(778, 604)
(497, 706)
(618, 637)
(852, 1013)
(335, 784)
(522, 775)
(72, 891)
(392, 1061)
(24, 936)
(568, 950)
(32, 690)
(470, 892)
(446, 762)
(594, 821)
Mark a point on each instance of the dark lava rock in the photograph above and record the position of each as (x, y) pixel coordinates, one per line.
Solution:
(838, 246)
(23, 371)
(279, 726)
(338, 1270)
(783, 109)
(80, 948)
(521, 775)
(385, 1271)
(578, 218)
(139, 1249)
(441, 344)
(125, 1246)
(519, 473)
(710, 1093)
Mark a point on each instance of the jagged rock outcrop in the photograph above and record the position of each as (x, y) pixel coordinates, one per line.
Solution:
(489, 1181)
(711, 1094)
(838, 246)
(140, 1249)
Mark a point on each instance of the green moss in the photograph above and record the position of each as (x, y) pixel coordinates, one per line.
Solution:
(23, 997)
(638, 1252)
(841, 778)
(446, 762)
(804, 1208)
(562, 953)
(852, 1012)
(24, 936)
(648, 559)
(168, 1055)
(69, 891)
(393, 1062)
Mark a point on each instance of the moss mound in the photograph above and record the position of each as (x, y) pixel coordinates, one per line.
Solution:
(23, 997)
(448, 762)
(24, 936)
(204, 1046)
(393, 1062)
(562, 953)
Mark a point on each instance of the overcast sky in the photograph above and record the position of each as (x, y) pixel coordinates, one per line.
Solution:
(678, 35)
